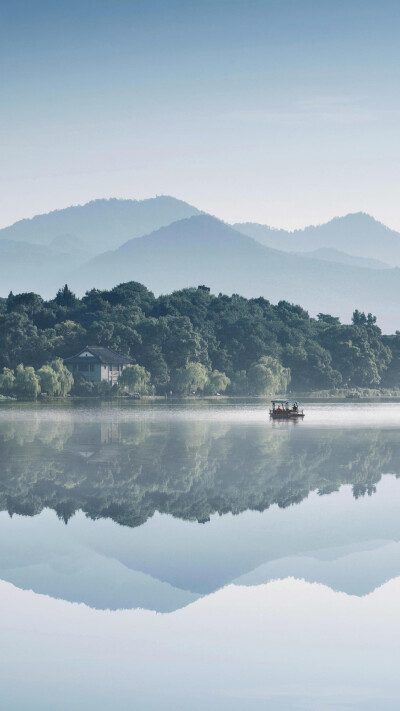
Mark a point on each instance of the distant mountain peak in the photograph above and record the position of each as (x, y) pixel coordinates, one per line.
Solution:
(351, 218)
(197, 227)
(102, 224)
(356, 234)
(102, 202)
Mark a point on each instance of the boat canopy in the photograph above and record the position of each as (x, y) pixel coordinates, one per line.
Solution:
(283, 402)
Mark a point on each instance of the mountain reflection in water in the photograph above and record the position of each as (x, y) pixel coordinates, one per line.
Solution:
(284, 596)
(132, 484)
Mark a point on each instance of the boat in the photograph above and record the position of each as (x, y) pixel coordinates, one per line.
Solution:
(286, 410)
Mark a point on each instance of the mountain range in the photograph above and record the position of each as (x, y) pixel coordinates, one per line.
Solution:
(357, 234)
(350, 262)
(99, 225)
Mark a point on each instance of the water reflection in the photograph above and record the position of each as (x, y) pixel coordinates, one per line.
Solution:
(293, 604)
(285, 646)
(115, 480)
(126, 471)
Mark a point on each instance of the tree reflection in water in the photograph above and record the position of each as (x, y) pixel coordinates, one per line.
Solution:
(128, 470)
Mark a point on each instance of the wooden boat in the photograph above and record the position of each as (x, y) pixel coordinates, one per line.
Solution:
(286, 410)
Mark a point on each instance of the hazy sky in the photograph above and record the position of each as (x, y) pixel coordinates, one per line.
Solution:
(278, 111)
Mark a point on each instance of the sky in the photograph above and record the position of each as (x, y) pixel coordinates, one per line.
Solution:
(284, 112)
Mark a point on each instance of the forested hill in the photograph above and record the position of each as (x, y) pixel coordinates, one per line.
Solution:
(194, 341)
(204, 250)
(168, 244)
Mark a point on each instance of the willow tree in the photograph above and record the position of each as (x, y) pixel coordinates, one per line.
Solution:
(136, 379)
(65, 379)
(217, 382)
(7, 381)
(27, 384)
(268, 376)
(190, 379)
(48, 380)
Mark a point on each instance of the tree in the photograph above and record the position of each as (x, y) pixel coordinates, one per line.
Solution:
(83, 387)
(27, 384)
(22, 342)
(48, 380)
(268, 376)
(240, 383)
(327, 318)
(225, 334)
(136, 379)
(65, 379)
(357, 353)
(132, 293)
(7, 381)
(190, 379)
(217, 382)
(29, 303)
(310, 366)
(157, 366)
(359, 318)
(65, 297)
(71, 336)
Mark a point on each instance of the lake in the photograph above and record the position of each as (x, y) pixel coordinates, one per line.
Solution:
(198, 555)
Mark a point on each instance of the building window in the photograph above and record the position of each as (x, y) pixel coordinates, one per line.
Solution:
(91, 367)
(83, 367)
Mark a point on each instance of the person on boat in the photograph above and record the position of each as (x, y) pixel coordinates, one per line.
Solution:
(279, 409)
(295, 408)
(287, 406)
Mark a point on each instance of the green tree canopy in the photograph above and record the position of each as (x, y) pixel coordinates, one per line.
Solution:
(228, 334)
(190, 379)
(268, 376)
(217, 382)
(7, 381)
(27, 383)
(65, 297)
(65, 379)
(136, 379)
(48, 380)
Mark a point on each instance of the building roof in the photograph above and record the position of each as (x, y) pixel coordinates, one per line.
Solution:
(101, 355)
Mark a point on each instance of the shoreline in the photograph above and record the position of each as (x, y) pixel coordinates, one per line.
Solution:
(302, 397)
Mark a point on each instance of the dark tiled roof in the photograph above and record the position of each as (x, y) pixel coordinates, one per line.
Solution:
(102, 355)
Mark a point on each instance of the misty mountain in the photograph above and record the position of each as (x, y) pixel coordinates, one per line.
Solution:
(204, 250)
(33, 267)
(356, 234)
(99, 225)
(335, 255)
(198, 249)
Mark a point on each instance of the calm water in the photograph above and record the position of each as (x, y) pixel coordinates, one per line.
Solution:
(200, 556)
